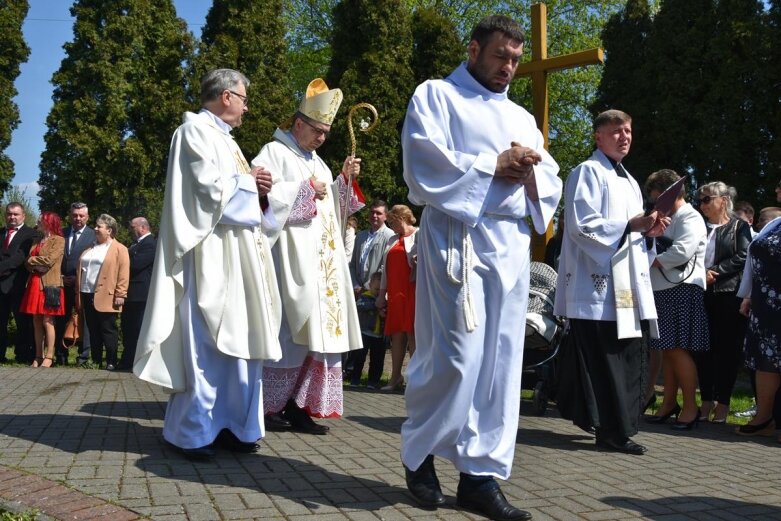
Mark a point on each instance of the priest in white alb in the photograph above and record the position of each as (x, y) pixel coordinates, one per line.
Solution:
(320, 318)
(213, 311)
(476, 161)
(604, 288)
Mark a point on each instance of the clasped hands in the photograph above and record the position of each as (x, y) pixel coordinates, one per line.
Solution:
(517, 162)
(262, 179)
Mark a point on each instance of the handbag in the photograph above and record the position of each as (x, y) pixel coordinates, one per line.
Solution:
(70, 337)
(51, 297)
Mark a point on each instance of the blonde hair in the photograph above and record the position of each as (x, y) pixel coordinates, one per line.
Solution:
(401, 212)
(720, 189)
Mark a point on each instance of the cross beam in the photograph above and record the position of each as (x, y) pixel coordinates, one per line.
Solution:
(538, 68)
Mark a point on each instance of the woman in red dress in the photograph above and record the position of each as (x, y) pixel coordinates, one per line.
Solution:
(44, 266)
(398, 282)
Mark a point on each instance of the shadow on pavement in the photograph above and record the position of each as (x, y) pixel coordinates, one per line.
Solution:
(299, 481)
(678, 506)
(384, 424)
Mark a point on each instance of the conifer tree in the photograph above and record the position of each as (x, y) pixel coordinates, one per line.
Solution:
(437, 46)
(371, 55)
(13, 52)
(771, 88)
(118, 96)
(248, 36)
(623, 85)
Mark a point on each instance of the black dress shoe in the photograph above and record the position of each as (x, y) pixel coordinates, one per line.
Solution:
(488, 500)
(424, 485)
(626, 446)
(227, 440)
(300, 420)
(276, 423)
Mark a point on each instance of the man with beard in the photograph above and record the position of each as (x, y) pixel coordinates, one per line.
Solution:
(476, 161)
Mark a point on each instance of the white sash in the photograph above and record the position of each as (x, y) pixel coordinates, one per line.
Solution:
(627, 313)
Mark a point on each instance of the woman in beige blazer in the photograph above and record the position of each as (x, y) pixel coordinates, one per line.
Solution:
(101, 288)
(44, 266)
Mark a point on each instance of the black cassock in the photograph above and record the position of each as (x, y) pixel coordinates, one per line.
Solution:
(602, 378)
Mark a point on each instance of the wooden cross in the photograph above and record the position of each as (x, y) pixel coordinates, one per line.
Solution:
(538, 68)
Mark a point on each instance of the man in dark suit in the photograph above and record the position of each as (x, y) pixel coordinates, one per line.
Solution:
(78, 237)
(142, 258)
(17, 239)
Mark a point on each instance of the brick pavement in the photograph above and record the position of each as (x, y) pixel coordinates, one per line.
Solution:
(86, 444)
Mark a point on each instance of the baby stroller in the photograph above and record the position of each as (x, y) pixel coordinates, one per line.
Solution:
(544, 333)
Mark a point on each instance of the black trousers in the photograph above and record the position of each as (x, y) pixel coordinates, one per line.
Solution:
(61, 353)
(601, 378)
(375, 347)
(132, 317)
(104, 330)
(24, 343)
(717, 368)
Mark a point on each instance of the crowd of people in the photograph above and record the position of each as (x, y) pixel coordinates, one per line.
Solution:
(52, 273)
(257, 301)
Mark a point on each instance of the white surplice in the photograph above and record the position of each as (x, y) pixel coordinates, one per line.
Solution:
(321, 320)
(463, 382)
(599, 203)
(213, 312)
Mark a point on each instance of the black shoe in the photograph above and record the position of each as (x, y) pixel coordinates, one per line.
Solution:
(686, 426)
(205, 453)
(276, 423)
(664, 417)
(626, 446)
(110, 367)
(488, 500)
(227, 440)
(300, 420)
(424, 485)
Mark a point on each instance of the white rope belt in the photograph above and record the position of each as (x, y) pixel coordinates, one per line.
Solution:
(470, 317)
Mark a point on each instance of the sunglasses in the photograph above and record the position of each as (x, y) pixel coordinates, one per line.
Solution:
(707, 199)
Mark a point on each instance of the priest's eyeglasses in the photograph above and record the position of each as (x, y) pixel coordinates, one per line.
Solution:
(243, 98)
(318, 131)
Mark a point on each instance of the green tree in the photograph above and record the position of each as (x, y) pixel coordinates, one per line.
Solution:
(692, 81)
(371, 62)
(13, 52)
(771, 87)
(623, 85)
(248, 36)
(16, 194)
(118, 96)
(437, 46)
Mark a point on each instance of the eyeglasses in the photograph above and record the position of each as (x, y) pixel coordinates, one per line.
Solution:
(243, 98)
(707, 199)
(318, 131)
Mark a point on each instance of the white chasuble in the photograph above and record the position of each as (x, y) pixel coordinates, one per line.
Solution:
(464, 379)
(211, 215)
(312, 269)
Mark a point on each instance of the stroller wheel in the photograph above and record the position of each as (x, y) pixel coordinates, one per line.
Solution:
(540, 399)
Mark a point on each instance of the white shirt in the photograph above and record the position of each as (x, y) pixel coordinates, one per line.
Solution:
(91, 262)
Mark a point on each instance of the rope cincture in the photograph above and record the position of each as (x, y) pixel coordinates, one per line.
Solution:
(470, 316)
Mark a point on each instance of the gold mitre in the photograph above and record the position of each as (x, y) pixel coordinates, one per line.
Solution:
(321, 103)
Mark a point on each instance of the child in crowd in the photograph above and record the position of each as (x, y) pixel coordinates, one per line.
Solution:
(371, 320)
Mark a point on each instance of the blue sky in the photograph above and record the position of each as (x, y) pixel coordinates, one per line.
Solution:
(47, 28)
